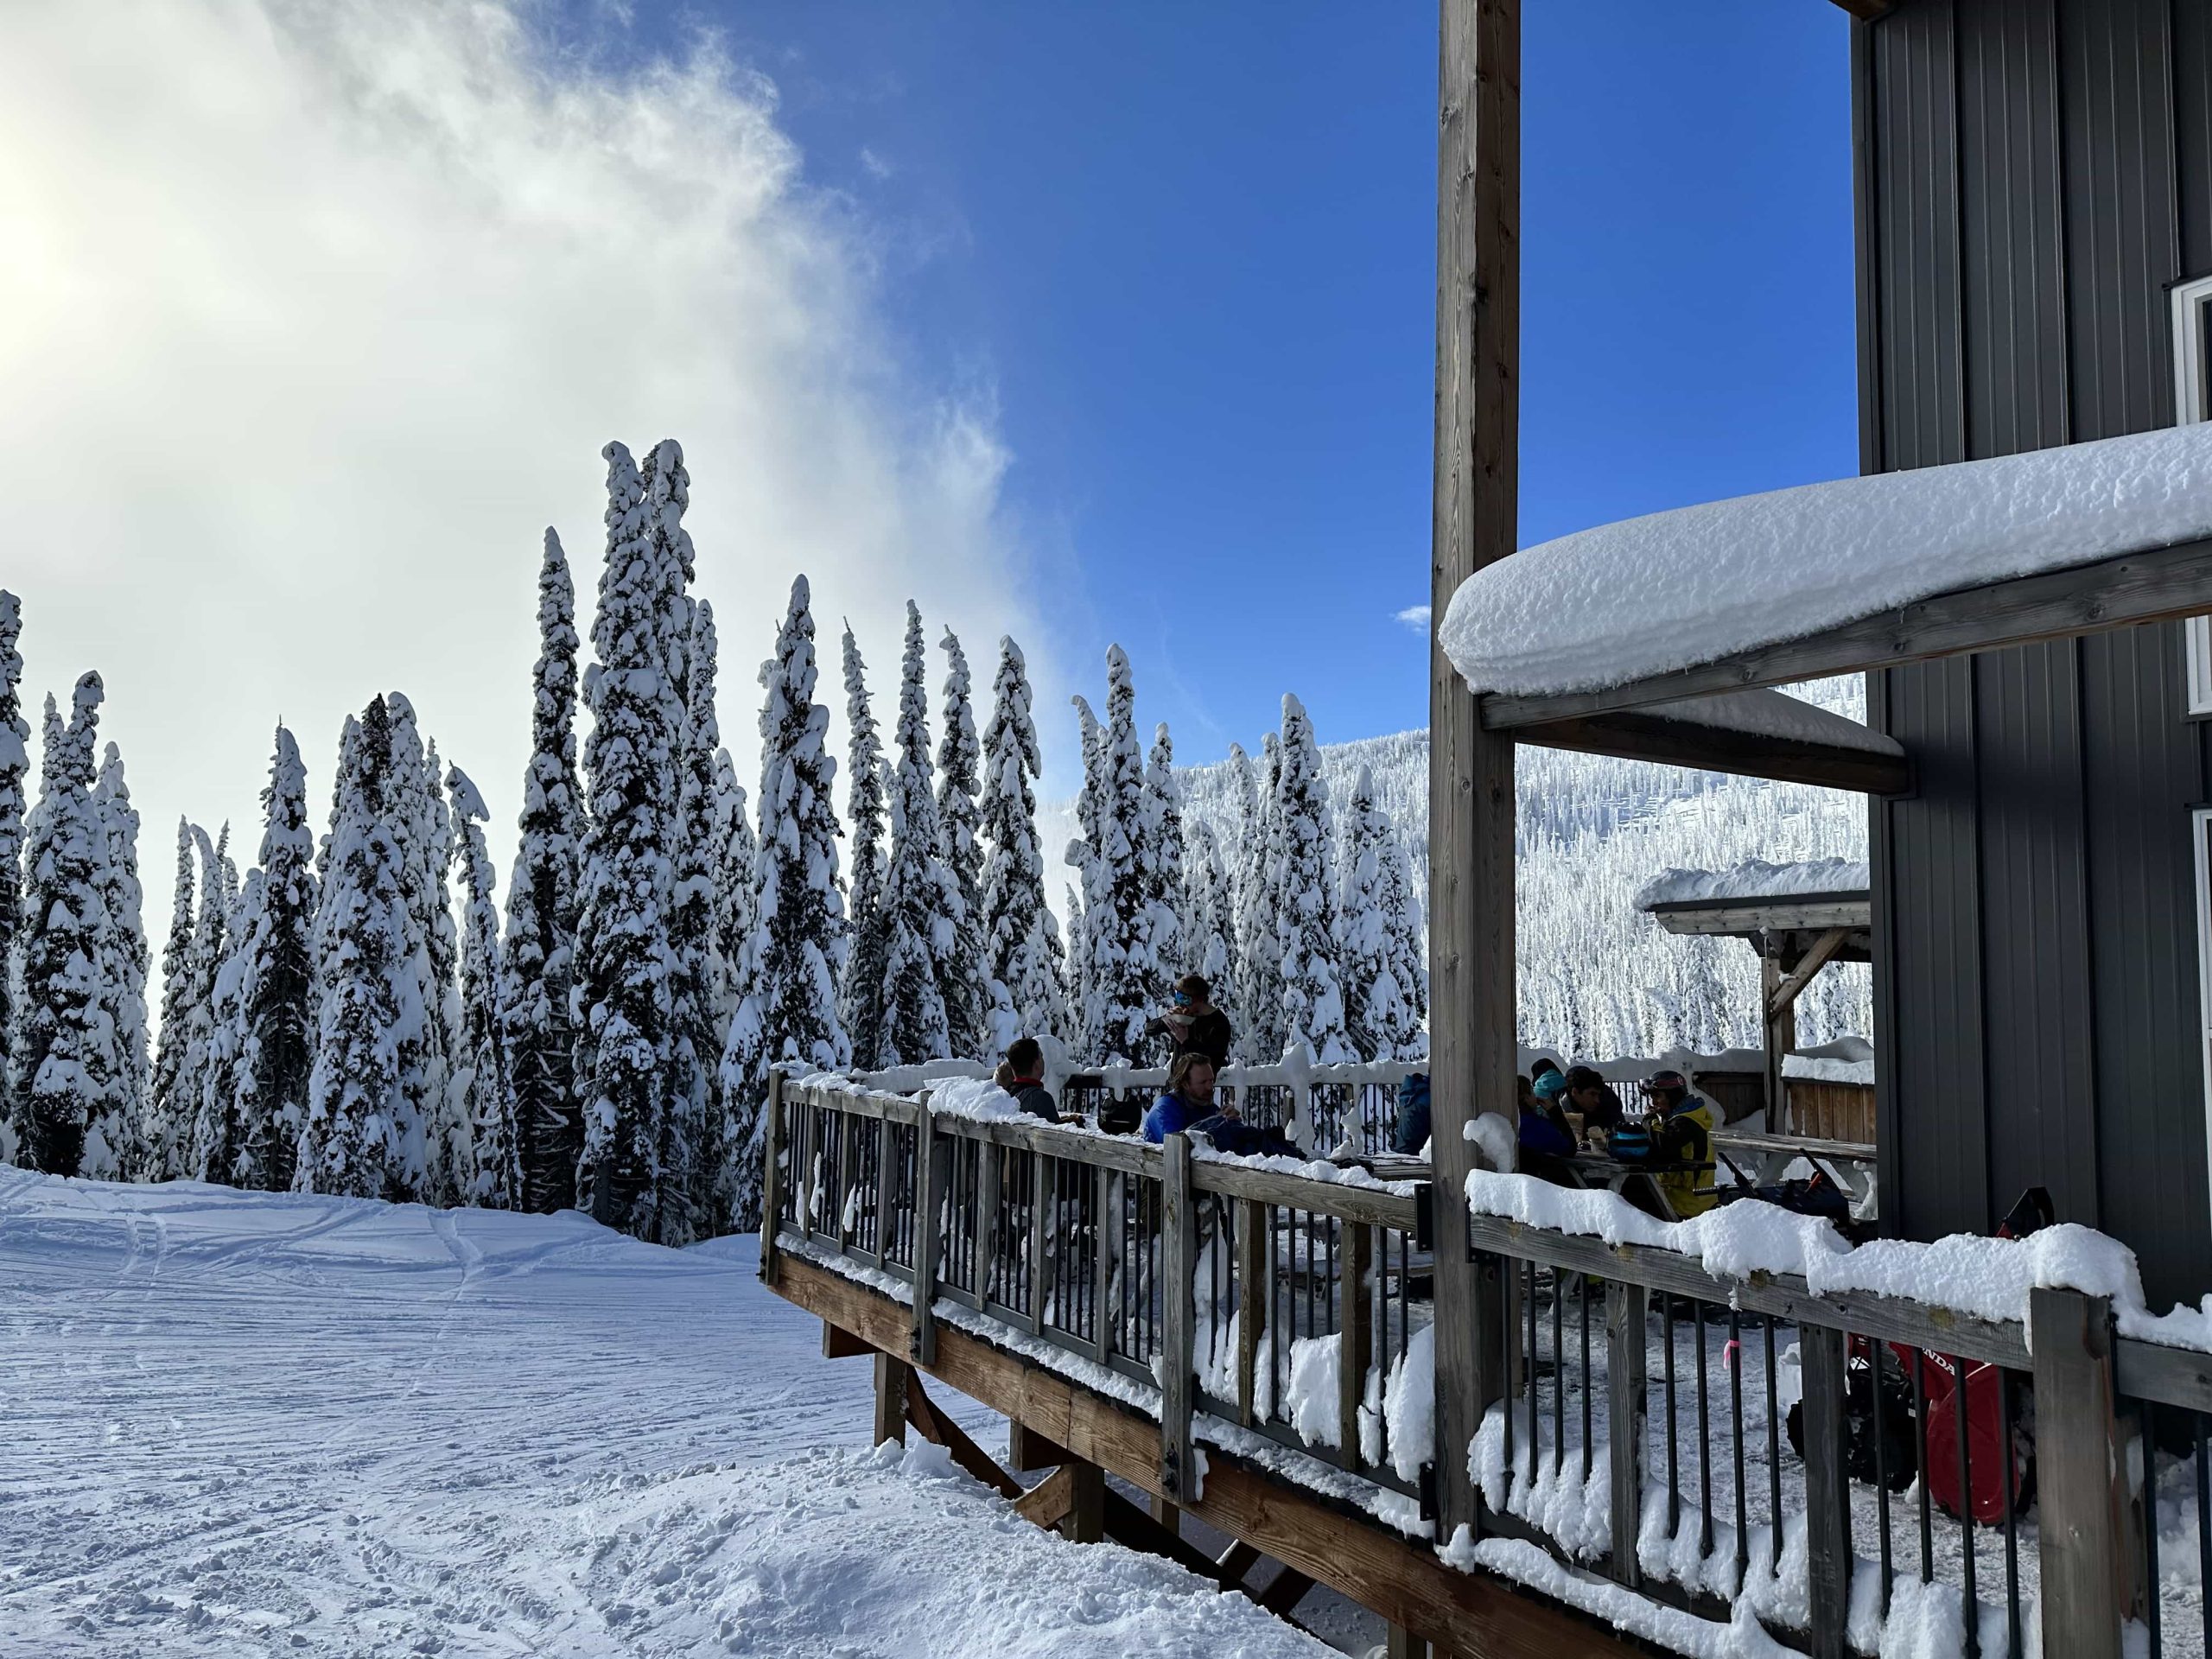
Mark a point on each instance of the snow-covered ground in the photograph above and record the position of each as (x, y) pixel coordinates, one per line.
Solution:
(244, 1424)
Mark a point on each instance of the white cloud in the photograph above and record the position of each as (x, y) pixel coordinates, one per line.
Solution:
(312, 315)
(1415, 617)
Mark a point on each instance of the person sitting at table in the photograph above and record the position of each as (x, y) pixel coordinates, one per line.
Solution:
(1024, 1078)
(1591, 1095)
(1186, 1100)
(1681, 1138)
(1546, 1143)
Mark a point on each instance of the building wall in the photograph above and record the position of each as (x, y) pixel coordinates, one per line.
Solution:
(2033, 176)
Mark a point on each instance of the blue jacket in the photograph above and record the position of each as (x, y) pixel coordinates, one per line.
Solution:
(1172, 1114)
(1411, 1132)
(1539, 1135)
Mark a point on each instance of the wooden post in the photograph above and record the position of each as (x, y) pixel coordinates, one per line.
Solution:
(771, 1183)
(1255, 1285)
(1355, 1340)
(847, 1176)
(2081, 1475)
(933, 1165)
(1472, 1024)
(987, 1217)
(1779, 1022)
(1625, 1338)
(1105, 1208)
(1086, 1519)
(1178, 1256)
(886, 1189)
(891, 1374)
(1399, 1642)
(803, 1165)
(1039, 1196)
(1827, 1487)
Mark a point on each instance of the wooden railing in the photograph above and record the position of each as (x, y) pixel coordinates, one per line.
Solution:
(1642, 1418)
(1276, 1305)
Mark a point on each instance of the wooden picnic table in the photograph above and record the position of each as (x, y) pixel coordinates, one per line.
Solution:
(1849, 1164)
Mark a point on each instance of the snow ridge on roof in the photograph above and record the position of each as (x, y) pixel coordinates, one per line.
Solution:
(1774, 713)
(1755, 879)
(1647, 596)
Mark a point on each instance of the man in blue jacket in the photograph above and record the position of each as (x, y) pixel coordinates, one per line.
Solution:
(1189, 1099)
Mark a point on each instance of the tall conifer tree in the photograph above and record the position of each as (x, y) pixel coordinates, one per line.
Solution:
(692, 1149)
(356, 1094)
(921, 901)
(69, 1096)
(1312, 993)
(1259, 952)
(15, 772)
(1129, 980)
(787, 1018)
(167, 1134)
(495, 1156)
(625, 964)
(860, 998)
(123, 973)
(277, 993)
(542, 907)
(962, 979)
(1021, 949)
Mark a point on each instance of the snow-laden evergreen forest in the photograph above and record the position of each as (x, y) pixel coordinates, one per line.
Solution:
(365, 1013)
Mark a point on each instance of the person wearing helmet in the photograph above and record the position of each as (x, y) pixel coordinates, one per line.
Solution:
(1681, 1135)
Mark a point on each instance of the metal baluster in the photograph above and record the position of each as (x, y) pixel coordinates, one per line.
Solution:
(2203, 1522)
(1704, 1440)
(1875, 1351)
(1509, 1271)
(1583, 1300)
(1559, 1375)
(2012, 1521)
(2147, 1426)
(1674, 1464)
(1920, 1442)
(1966, 1509)
(1529, 1365)
(1773, 1456)
(1736, 1401)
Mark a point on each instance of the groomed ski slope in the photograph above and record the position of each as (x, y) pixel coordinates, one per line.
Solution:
(244, 1424)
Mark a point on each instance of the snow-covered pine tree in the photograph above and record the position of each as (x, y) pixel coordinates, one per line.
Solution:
(624, 993)
(692, 1152)
(277, 985)
(1019, 939)
(219, 1131)
(737, 849)
(1090, 901)
(1406, 949)
(859, 996)
(1130, 979)
(369, 984)
(203, 966)
(921, 902)
(69, 1096)
(1163, 851)
(121, 974)
(15, 772)
(1312, 984)
(168, 1129)
(431, 1133)
(961, 978)
(1209, 929)
(787, 1019)
(1379, 1019)
(496, 1158)
(1259, 954)
(542, 903)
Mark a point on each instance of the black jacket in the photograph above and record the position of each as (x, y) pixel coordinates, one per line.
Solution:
(1036, 1099)
(1204, 1033)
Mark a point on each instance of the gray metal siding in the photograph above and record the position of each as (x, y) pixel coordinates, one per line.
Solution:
(2032, 174)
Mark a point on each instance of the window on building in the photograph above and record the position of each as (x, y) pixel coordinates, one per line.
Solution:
(2193, 402)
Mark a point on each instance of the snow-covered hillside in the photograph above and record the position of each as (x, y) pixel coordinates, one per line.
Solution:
(241, 1424)
(1597, 977)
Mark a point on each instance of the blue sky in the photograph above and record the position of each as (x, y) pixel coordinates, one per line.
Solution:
(1190, 250)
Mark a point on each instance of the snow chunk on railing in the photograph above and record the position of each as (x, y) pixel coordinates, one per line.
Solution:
(1646, 596)
(1984, 1278)
(1754, 879)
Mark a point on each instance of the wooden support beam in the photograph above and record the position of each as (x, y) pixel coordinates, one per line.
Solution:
(938, 1429)
(1470, 811)
(1827, 1489)
(891, 1376)
(1047, 1504)
(2081, 1479)
(1625, 1340)
(1235, 1562)
(771, 1196)
(1179, 1256)
(1822, 953)
(1128, 1524)
(1399, 1642)
(1027, 1451)
(1284, 1592)
(1086, 1518)
(1647, 735)
(2159, 585)
(1401, 1581)
(1166, 1514)
(842, 1344)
